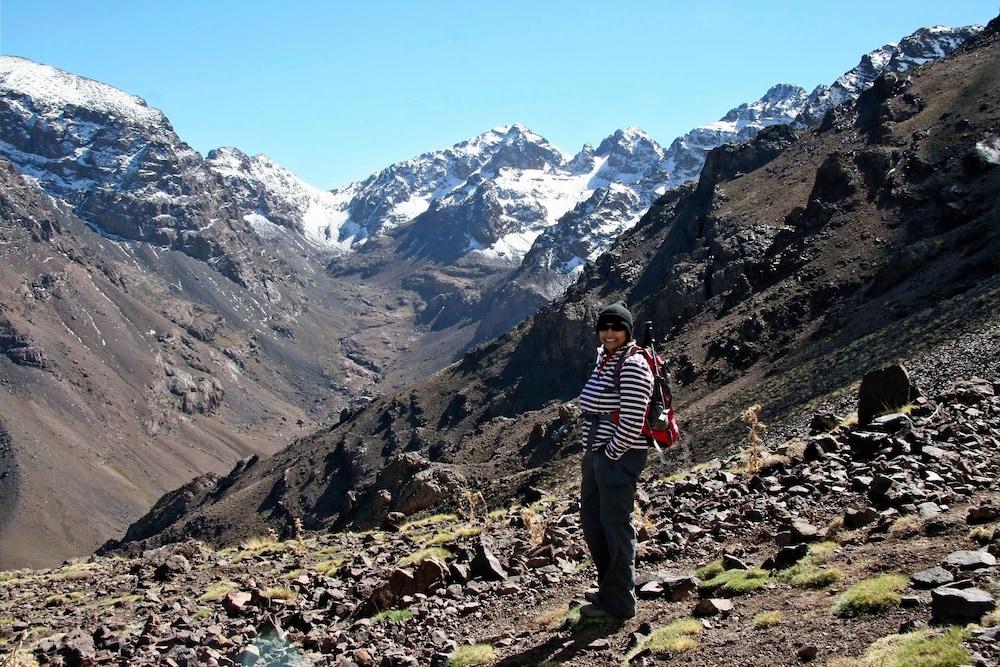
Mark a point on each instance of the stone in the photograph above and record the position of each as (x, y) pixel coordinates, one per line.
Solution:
(884, 390)
(678, 588)
(77, 648)
(865, 445)
(485, 564)
(713, 607)
(890, 423)
(931, 578)
(235, 602)
(430, 574)
(960, 605)
(248, 655)
(803, 531)
(731, 562)
(928, 510)
(983, 514)
(807, 653)
(970, 560)
(857, 518)
(909, 601)
(786, 557)
(650, 590)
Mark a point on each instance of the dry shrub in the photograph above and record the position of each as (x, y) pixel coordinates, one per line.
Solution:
(473, 506)
(755, 427)
(906, 527)
(534, 524)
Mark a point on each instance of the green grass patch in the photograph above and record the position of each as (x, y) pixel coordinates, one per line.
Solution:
(736, 582)
(288, 576)
(201, 613)
(392, 616)
(923, 648)
(448, 536)
(767, 619)
(118, 601)
(329, 567)
(710, 571)
(582, 565)
(678, 637)
(809, 573)
(433, 520)
(871, 596)
(472, 654)
(218, 591)
(423, 554)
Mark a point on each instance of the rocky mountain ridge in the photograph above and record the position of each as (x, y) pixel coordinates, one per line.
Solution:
(217, 295)
(798, 261)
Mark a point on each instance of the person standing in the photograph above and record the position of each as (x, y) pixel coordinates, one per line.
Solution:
(613, 403)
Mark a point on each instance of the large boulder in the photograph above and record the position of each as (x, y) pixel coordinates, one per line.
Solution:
(884, 390)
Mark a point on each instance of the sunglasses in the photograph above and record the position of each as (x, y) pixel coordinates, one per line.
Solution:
(614, 326)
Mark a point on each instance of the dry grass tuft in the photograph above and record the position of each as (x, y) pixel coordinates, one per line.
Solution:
(219, 591)
(472, 654)
(767, 619)
(534, 524)
(423, 554)
(923, 648)
(906, 527)
(279, 593)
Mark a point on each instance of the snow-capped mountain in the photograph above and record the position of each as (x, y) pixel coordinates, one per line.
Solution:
(271, 197)
(121, 167)
(922, 46)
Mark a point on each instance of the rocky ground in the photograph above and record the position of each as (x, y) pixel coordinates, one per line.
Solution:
(735, 569)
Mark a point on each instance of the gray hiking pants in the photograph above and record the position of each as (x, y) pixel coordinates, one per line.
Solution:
(607, 498)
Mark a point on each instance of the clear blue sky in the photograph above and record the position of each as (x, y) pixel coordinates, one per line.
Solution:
(337, 90)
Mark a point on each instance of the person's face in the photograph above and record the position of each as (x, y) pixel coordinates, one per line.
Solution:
(612, 335)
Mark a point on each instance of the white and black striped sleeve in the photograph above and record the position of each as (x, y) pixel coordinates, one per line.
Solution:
(636, 390)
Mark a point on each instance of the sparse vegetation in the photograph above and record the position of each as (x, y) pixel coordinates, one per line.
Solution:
(923, 648)
(423, 554)
(736, 582)
(809, 573)
(710, 570)
(279, 593)
(982, 535)
(755, 427)
(219, 591)
(392, 616)
(260, 542)
(871, 596)
(472, 654)
(766, 619)
(202, 613)
(432, 520)
(906, 527)
(678, 637)
(534, 524)
(77, 572)
(992, 619)
(329, 567)
(473, 505)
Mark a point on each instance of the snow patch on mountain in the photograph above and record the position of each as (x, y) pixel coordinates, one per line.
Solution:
(53, 90)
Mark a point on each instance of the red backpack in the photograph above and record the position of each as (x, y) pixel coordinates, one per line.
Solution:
(660, 424)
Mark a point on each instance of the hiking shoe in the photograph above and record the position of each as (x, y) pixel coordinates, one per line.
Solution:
(590, 596)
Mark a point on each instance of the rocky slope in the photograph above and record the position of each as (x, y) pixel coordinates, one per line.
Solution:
(798, 262)
(127, 368)
(216, 294)
(745, 568)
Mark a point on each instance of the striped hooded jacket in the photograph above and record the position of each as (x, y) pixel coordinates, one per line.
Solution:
(599, 399)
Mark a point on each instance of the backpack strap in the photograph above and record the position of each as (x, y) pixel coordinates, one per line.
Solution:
(617, 377)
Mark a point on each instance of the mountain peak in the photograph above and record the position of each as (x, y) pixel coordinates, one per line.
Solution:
(54, 90)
